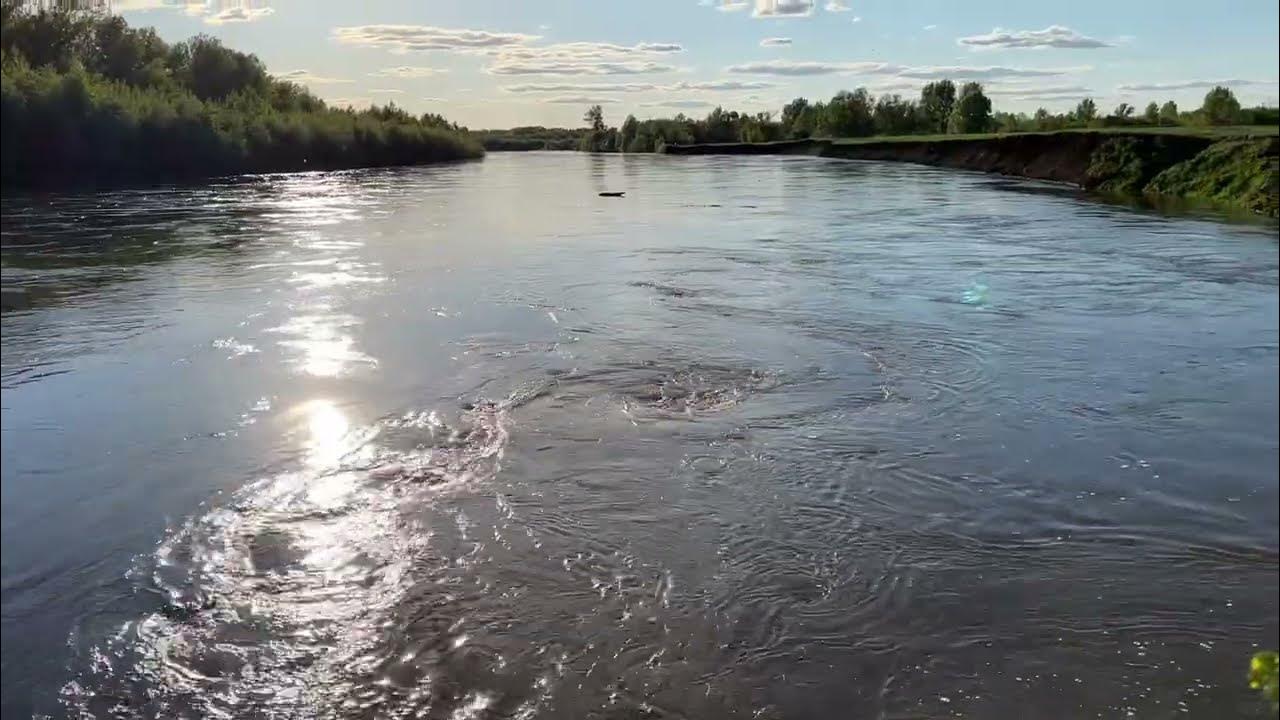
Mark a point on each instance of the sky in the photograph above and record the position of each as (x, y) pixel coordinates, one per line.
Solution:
(501, 63)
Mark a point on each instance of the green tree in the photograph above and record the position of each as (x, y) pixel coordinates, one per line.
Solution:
(1221, 107)
(594, 118)
(894, 116)
(937, 101)
(1086, 111)
(1152, 114)
(972, 113)
(1124, 111)
(849, 114)
(1169, 113)
(797, 119)
(627, 133)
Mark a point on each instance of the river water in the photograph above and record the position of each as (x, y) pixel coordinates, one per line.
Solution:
(766, 438)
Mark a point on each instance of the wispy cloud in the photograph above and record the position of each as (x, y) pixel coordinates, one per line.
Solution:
(791, 68)
(836, 6)
(775, 42)
(386, 91)
(936, 72)
(930, 27)
(685, 104)
(700, 86)
(732, 5)
(717, 85)
(1190, 85)
(856, 18)
(305, 77)
(783, 8)
(238, 14)
(1031, 92)
(425, 37)
(579, 100)
(583, 58)
(407, 71)
(580, 87)
(213, 12)
(1054, 36)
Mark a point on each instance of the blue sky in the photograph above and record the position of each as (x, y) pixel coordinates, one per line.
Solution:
(498, 63)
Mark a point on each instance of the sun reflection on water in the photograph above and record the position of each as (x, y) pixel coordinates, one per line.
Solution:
(329, 433)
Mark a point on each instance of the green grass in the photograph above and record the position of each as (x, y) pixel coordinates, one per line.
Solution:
(1240, 172)
(1206, 131)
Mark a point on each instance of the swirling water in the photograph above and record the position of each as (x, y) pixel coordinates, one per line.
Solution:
(768, 437)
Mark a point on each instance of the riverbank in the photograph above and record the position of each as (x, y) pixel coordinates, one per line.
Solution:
(1239, 170)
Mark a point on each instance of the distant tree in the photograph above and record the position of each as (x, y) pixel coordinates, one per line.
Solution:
(1086, 111)
(627, 133)
(937, 101)
(894, 116)
(849, 114)
(1012, 122)
(972, 113)
(1169, 113)
(1221, 107)
(1152, 114)
(797, 119)
(1042, 119)
(1123, 111)
(594, 118)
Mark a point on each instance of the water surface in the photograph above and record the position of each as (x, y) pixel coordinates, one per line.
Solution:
(768, 437)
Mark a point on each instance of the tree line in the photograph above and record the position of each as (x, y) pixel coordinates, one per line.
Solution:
(86, 98)
(941, 109)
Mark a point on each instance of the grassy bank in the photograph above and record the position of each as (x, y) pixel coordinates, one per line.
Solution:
(1236, 167)
(84, 98)
(1203, 131)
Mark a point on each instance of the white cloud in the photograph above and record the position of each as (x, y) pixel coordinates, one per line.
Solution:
(425, 37)
(718, 85)
(707, 85)
(1040, 92)
(386, 91)
(775, 42)
(579, 100)
(790, 68)
(213, 12)
(236, 14)
(407, 71)
(836, 6)
(1190, 85)
(930, 27)
(936, 72)
(783, 8)
(892, 87)
(579, 87)
(857, 18)
(732, 5)
(686, 104)
(1055, 36)
(124, 6)
(583, 58)
(305, 77)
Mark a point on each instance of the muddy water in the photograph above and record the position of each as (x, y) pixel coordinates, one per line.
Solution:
(774, 437)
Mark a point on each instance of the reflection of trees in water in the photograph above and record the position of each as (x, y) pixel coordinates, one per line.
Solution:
(59, 247)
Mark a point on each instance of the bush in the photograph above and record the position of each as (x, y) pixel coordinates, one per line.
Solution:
(85, 98)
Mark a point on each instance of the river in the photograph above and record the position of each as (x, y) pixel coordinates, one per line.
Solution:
(765, 438)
